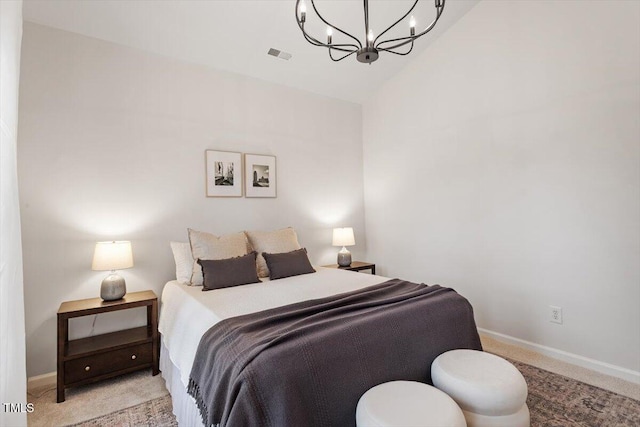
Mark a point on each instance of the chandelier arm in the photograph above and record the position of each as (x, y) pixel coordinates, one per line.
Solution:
(430, 27)
(342, 57)
(409, 39)
(333, 26)
(397, 22)
(316, 42)
(340, 47)
(398, 53)
(307, 37)
(403, 40)
(312, 40)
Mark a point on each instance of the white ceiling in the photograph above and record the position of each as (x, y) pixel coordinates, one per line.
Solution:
(236, 35)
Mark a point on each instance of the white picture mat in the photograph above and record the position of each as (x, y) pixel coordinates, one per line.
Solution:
(258, 160)
(213, 156)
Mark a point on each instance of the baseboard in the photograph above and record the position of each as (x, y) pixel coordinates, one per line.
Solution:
(574, 359)
(48, 379)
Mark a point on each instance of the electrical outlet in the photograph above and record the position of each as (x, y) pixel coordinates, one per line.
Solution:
(555, 314)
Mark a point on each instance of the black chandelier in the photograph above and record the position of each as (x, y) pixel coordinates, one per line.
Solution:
(369, 51)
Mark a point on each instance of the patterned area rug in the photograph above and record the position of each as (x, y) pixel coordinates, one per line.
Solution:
(156, 412)
(553, 401)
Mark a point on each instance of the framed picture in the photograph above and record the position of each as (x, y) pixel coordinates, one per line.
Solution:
(224, 173)
(260, 175)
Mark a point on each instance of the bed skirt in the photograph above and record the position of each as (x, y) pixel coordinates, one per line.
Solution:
(184, 406)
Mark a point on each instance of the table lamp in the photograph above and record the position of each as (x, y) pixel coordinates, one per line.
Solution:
(343, 237)
(112, 256)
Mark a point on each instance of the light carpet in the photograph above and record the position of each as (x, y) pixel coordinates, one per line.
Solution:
(87, 402)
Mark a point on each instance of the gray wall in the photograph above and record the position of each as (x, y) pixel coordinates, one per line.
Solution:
(111, 146)
(504, 161)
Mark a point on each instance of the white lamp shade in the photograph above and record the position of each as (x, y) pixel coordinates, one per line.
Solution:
(112, 256)
(343, 237)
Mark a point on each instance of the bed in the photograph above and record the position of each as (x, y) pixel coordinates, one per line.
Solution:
(188, 314)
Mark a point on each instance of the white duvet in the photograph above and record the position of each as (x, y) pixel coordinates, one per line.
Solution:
(187, 312)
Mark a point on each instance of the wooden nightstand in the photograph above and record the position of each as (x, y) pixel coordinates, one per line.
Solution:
(356, 266)
(98, 357)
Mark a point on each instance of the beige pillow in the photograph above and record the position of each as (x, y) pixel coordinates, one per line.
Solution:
(184, 261)
(272, 242)
(209, 246)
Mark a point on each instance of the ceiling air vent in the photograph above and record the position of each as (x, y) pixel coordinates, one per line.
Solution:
(279, 54)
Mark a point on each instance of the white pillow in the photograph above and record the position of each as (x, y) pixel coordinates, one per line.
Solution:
(272, 242)
(184, 262)
(209, 246)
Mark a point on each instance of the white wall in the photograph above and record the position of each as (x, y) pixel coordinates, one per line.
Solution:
(112, 145)
(504, 162)
(13, 379)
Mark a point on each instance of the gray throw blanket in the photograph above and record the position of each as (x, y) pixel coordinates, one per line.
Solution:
(308, 363)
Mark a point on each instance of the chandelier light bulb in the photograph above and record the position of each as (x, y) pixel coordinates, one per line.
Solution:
(329, 34)
(412, 25)
(303, 12)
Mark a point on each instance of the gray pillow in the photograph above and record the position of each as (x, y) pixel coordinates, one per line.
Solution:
(273, 242)
(224, 273)
(288, 264)
(209, 246)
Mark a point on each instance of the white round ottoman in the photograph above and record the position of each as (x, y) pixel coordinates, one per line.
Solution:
(490, 390)
(407, 404)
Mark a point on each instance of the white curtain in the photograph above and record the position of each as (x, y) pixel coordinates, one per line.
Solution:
(13, 375)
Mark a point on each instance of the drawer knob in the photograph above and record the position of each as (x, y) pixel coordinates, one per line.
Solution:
(133, 357)
(87, 368)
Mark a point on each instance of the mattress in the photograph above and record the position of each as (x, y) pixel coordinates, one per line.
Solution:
(187, 312)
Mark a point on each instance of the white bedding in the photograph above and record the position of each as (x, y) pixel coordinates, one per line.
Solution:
(187, 312)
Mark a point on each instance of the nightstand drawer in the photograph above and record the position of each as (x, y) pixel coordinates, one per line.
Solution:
(99, 364)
